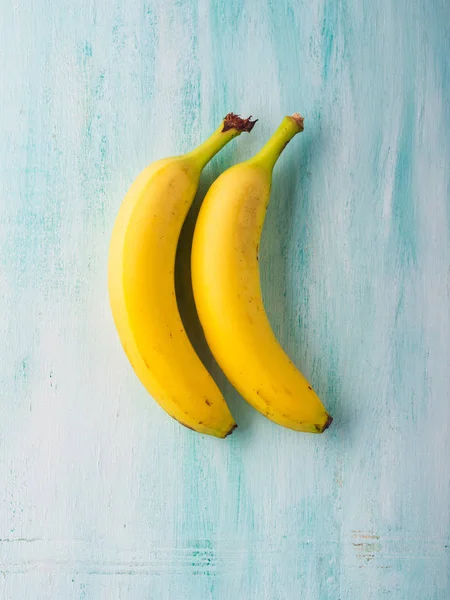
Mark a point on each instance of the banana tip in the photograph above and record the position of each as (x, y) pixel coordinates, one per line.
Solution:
(231, 430)
(327, 423)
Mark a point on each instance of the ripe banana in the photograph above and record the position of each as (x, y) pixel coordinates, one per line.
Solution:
(226, 283)
(142, 286)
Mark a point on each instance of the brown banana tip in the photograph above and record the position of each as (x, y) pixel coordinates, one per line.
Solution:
(327, 423)
(231, 430)
(299, 120)
(233, 121)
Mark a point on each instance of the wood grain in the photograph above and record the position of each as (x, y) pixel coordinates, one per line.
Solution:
(104, 496)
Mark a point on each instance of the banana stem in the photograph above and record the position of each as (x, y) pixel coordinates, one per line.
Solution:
(270, 152)
(232, 126)
(205, 152)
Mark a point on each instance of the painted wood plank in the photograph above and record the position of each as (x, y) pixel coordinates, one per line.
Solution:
(103, 495)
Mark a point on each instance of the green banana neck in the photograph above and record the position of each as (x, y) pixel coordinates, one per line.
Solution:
(205, 152)
(270, 152)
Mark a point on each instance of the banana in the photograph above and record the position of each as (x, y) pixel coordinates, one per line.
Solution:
(141, 286)
(227, 292)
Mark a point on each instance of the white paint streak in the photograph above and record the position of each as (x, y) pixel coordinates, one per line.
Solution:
(104, 496)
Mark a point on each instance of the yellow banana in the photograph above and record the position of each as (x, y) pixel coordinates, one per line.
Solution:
(142, 286)
(226, 283)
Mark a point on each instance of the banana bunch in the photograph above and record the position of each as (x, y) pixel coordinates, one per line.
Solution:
(226, 284)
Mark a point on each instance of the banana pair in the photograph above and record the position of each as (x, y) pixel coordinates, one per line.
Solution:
(226, 284)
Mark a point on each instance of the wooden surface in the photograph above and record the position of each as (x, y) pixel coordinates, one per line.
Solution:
(102, 495)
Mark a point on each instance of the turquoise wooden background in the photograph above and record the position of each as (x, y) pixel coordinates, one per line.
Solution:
(104, 497)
